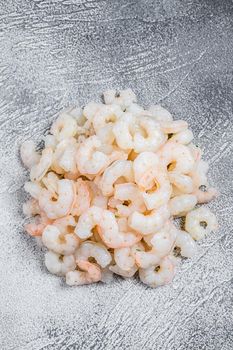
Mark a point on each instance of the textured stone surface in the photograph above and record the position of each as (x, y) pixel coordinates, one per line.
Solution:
(54, 53)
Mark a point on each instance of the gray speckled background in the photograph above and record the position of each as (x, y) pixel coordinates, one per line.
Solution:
(54, 53)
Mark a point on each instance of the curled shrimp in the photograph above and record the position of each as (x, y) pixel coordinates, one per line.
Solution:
(40, 169)
(148, 224)
(64, 159)
(184, 137)
(128, 192)
(106, 115)
(118, 271)
(94, 250)
(83, 198)
(123, 132)
(194, 220)
(60, 243)
(183, 183)
(36, 228)
(107, 228)
(206, 196)
(89, 159)
(145, 166)
(176, 157)
(91, 274)
(125, 257)
(153, 139)
(186, 243)
(64, 203)
(31, 207)
(50, 181)
(162, 244)
(97, 198)
(123, 98)
(199, 173)
(28, 154)
(182, 204)
(173, 126)
(159, 274)
(160, 114)
(65, 126)
(160, 193)
(59, 264)
(118, 169)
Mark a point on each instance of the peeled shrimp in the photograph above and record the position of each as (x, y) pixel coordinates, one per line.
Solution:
(89, 159)
(40, 169)
(125, 257)
(184, 137)
(31, 207)
(173, 126)
(128, 192)
(120, 168)
(107, 228)
(147, 224)
(206, 196)
(195, 218)
(183, 183)
(176, 157)
(145, 166)
(106, 114)
(118, 271)
(58, 264)
(182, 204)
(94, 250)
(50, 181)
(123, 132)
(83, 198)
(185, 242)
(64, 127)
(160, 114)
(28, 154)
(123, 98)
(63, 204)
(91, 273)
(154, 136)
(162, 276)
(64, 244)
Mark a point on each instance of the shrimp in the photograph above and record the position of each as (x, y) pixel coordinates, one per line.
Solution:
(182, 204)
(64, 127)
(160, 193)
(106, 276)
(184, 137)
(91, 274)
(50, 141)
(162, 243)
(59, 264)
(186, 243)
(199, 173)
(176, 157)
(173, 126)
(64, 159)
(28, 154)
(118, 271)
(148, 224)
(94, 250)
(145, 166)
(89, 159)
(36, 228)
(64, 244)
(154, 136)
(123, 132)
(107, 228)
(125, 257)
(160, 114)
(206, 196)
(183, 183)
(130, 193)
(194, 220)
(66, 224)
(123, 98)
(64, 203)
(118, 169)
(31, 207)
(91, 109)
(83, 198)
(106, 116)
(160, 274)
(50, 181)
(97, 198)
(39, 170)
(33, 188)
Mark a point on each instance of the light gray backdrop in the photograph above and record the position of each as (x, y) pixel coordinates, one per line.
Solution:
(54, 53)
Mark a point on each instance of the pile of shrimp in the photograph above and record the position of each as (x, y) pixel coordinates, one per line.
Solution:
(107, 190)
